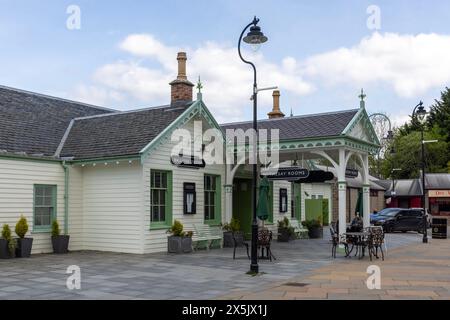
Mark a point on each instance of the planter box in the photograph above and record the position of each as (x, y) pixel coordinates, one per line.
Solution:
(60, 244)
(179, 244)
(24, 246)
(283, 235)
(315, 233)
(228, 239)
(4, 250)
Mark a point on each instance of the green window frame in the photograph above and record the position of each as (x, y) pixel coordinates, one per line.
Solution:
(160, 199)
(212, 199)
(270, 218)
(44, 207)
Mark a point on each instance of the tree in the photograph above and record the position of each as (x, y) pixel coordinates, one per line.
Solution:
(440, 114)
(408, 154)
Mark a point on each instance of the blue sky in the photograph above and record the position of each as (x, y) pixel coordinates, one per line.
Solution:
(320, 53)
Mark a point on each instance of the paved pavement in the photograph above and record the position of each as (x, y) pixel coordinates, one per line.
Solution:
(417, 271)
(200, 275)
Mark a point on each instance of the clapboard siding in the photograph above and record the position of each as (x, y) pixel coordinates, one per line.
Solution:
(112, 207)
(277, 215)
(76, 208)
(156, 240)
(17, 180)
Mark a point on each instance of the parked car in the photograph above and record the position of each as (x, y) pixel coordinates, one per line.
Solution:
(374, 214)
(400, 220)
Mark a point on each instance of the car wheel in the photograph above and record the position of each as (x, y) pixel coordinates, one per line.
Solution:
(404, 231)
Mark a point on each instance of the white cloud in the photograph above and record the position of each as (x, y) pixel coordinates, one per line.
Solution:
(227, 81)
(411, 64)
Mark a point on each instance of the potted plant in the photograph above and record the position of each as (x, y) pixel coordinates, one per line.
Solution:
(24, 245)
(7, 243)
(285, 230)
(229, 228)
(315, 229)
(60, 242)
(179, 241)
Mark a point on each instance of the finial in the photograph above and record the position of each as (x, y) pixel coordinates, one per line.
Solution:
(362, 96)
(292, 113)
(199, 87)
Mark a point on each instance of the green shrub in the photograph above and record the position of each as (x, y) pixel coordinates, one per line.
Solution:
(176, 229)
(312, 224)
(234, 225)
(6, 234)
(22, 227)
(55, 228)
(283, 223)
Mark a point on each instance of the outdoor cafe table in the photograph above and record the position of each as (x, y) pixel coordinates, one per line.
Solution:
(358, 239)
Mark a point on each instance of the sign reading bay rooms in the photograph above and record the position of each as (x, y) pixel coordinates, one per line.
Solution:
(288, 173)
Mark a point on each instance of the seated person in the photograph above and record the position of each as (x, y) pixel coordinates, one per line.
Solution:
(357, 224)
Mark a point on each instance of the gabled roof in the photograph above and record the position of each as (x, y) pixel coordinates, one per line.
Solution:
(34, 124)
(319, 125)
(439, 181)
(118, 134)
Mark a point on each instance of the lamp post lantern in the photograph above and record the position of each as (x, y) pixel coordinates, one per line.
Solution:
(419, 113)
(255, 38)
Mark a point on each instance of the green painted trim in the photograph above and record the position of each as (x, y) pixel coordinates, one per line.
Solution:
(197, 107)
(218, 201)
(329, 142)
(54, 203)
(270, 218)
(362, 116)
(188, 114)
(169, 199)
(66, 198)
(26, 158)
(106, 159)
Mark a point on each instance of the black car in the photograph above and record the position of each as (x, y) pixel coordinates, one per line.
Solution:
(400, 220)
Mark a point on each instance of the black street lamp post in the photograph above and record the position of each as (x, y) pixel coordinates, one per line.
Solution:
(255, 38)
(420, 113)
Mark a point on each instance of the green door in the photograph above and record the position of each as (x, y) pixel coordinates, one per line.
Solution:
(297, 200)
(242, 204)
(315, 208)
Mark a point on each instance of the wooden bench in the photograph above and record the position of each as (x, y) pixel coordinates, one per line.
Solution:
(204, 236)
(299, 230)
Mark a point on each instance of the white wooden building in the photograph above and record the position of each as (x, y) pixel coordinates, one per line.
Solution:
(108, 177)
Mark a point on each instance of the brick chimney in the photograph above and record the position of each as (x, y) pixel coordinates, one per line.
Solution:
(181, 87)
(276, 112)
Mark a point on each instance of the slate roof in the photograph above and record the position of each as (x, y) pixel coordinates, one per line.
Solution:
(118, 134)
(439, 181)
(32, 123)
(405, 187)
(302, 127)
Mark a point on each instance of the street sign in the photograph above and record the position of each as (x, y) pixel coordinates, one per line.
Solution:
(351, 173)
(316, 176)
(287, 173)
(187, 161)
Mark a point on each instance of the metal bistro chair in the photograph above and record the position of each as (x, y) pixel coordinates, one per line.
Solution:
(375, 242)
(239, 242)
(264, 241)
(336, 240)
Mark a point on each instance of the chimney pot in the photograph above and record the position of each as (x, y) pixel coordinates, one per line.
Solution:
(181, 87)
(276, 112)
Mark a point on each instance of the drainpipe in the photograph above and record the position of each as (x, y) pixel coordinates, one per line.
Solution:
(66, 197)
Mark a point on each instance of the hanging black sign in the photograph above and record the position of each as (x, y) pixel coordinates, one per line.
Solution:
(187, 161)
(316, 176)
(288, 173)
(351, 173)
